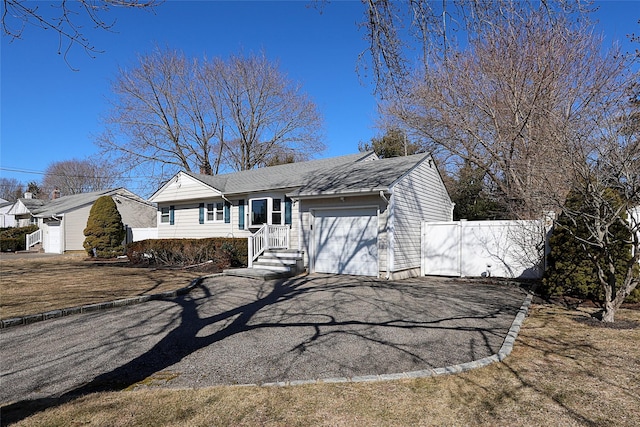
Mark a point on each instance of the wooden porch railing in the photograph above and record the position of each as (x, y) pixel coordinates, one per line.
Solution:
(268, 237)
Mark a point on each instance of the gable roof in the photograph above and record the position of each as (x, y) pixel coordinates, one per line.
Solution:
(5, 203)
(75, 201)
(26, 206)
(287, 176)
(361, 177)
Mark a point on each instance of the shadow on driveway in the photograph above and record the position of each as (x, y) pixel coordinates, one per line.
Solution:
(237, 331)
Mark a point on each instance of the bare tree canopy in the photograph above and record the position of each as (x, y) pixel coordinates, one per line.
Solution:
(65, 18)
(421, 33)
(524, 84)
(78, 176)
(393, 143)
(10, 189)
(172, 113)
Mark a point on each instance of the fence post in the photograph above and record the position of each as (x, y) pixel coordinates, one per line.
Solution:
(250, 250)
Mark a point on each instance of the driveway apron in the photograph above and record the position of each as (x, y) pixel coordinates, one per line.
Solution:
(245, 331)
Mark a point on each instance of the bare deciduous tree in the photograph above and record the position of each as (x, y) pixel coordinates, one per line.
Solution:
(511, 99)
(10, 189)
(422, 33)
(605, 170)
(173, 113)
(64, 18)
(393, 143)
(78, 176)
(267, 115)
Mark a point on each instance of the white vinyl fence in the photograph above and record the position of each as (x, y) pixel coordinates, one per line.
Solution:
(137, 234)
(512, 249)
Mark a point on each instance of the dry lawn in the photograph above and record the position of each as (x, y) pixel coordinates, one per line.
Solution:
(31, 286)
(564, 371)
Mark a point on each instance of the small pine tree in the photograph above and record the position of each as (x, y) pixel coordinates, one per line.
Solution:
(105, 231)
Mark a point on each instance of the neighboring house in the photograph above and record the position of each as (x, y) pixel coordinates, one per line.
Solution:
(23, 210)
(354, 214)
(62, 221)
(6, 219)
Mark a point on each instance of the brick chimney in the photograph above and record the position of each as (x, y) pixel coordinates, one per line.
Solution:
(55, 194)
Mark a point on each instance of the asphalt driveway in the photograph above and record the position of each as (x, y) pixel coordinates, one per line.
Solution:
(240, 331)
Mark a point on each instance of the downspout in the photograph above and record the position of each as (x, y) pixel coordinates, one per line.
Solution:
(389, 233)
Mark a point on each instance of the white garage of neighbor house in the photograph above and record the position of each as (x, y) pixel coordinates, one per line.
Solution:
(62, 221)
(354, 214)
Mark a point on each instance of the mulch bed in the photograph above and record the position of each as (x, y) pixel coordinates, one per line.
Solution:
(618, 324)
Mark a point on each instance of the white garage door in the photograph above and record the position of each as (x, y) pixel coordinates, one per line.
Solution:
(346, 241)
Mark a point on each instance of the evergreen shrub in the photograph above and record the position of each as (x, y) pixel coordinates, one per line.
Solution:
(14, 238)
(105, 231)
(570, 272)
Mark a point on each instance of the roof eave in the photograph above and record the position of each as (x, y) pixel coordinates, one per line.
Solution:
(341, 193)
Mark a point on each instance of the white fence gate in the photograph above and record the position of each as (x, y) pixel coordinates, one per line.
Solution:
(513, 249)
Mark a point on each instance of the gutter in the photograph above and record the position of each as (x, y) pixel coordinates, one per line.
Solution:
(324, 195)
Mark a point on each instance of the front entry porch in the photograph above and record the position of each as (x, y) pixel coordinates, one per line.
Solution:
(270, 255)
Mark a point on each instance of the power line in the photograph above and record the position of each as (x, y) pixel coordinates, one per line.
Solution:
(18, 170)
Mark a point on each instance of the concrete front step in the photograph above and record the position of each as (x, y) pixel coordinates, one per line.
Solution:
(273, 266)
(283, 253)
(288, 261)
(277, 260)
(257, 273)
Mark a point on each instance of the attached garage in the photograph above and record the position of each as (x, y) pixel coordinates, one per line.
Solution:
(346, 241)
(364, 218)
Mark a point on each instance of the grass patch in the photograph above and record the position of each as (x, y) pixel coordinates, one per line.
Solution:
(562, 371)
(31, 286)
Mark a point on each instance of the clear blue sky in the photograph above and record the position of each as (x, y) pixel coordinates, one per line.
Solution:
(50, 112)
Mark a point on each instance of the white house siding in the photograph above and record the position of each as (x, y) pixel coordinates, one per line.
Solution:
(419, 196)
(187, 220)
(305, 215)
(184, 188)
(135, 214)
(21, 215)
(187, 224)
(74, 224)
(7, 219)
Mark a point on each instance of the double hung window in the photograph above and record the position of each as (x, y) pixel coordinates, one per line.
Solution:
(164, 214)
(276, 212)
(215, 212)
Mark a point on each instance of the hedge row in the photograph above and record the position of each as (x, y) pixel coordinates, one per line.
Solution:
(13, 239)
(224, 252)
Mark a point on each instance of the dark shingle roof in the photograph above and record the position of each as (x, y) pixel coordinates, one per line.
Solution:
(32, 204)
(287, 176)
(359, 177)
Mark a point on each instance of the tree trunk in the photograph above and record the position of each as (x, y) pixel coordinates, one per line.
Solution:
(609, 312)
